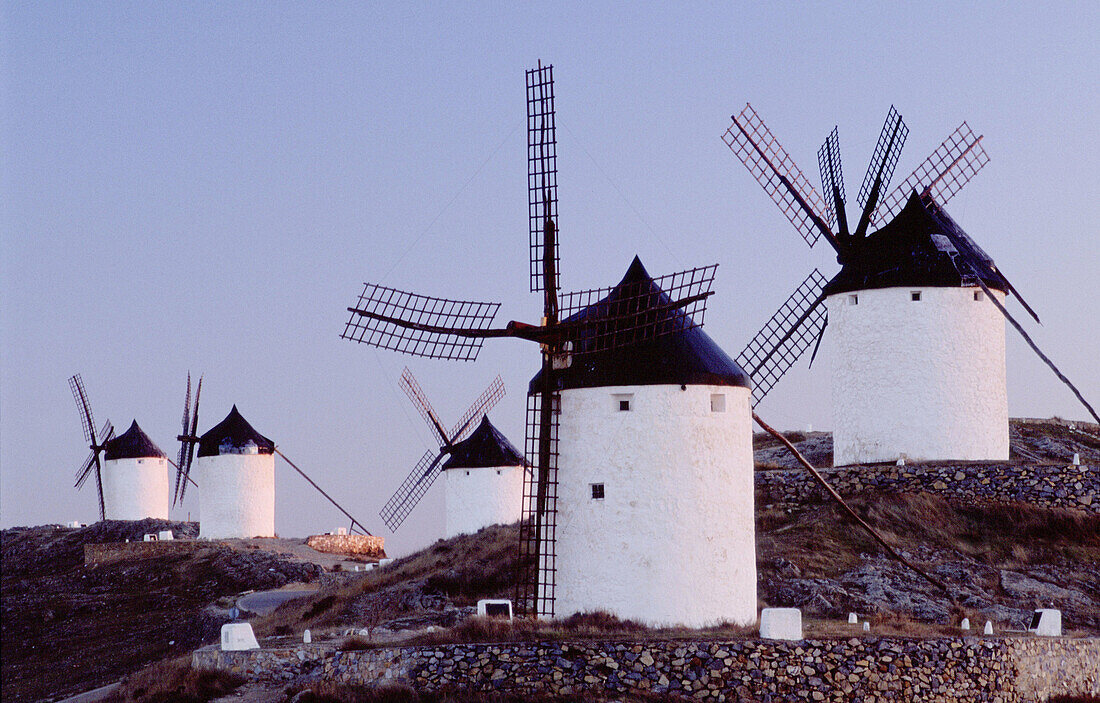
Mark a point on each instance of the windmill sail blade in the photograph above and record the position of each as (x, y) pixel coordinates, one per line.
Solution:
(941, 175)
(190, 442)
(412, 389)
(786, 336)
(542, 171)
(751, 141)
(480, 407)
(87, 423)
(99, 487)
(85, 470)
(537, 580)
(186, 425)
(412, 489)
(417, 324)
(884, 160)
(832, 181)
(625, 315)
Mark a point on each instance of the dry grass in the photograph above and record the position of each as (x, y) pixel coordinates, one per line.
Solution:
(175, 681)
(824, 543)
(464, 569)
(818, 539)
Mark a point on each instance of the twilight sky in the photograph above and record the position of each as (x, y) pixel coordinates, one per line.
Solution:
(205, 187)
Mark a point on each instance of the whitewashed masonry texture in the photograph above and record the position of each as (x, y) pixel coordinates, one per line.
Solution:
(918, 378)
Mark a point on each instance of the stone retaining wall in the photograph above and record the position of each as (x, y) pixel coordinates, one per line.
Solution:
(1062, 486)
(1005, 670)
(350, 545)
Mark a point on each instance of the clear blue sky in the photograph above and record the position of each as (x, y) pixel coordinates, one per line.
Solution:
(206, 186)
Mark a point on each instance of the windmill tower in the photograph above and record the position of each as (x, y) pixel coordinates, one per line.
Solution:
(236, 472)
(484, 478)
(132, 479)
(483, 473)
(574, 410)
(917, 307)
(655, 471)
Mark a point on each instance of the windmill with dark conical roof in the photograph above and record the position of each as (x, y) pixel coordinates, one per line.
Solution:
(236, 466)
(132, 478)
(575, 328)
(476, 498)
(917, 309)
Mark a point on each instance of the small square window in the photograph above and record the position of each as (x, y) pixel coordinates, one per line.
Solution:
(624, 402)
(853, 300)
(718, 402)
(555, 405)
(915, 296)
(597, 491)
(979, 295)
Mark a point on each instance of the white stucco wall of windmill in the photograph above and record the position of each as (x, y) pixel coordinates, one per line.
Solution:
(921, 379)
(236, 495)
(672, 541)
(134, 489)
(478, 497)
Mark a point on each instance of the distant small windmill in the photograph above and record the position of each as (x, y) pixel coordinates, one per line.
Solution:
(240, 498)
(455, 329)
(919, 368)
(427, 470)
(132, 478)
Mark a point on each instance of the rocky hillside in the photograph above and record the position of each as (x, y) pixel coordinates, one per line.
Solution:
(68, 628)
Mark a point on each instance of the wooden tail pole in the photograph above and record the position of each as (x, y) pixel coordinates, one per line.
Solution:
(322, 492)
(851, 513)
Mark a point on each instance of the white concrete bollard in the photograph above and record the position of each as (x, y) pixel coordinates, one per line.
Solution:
(901, 460)
(988, 627)
(307, 637)
(1076, 459)
(852, 619)
(1046, 622)
(165, 535)
(781, 623)
(965, 624)
(866, 626)
(495, 607)
(238, 636)
(150, 537)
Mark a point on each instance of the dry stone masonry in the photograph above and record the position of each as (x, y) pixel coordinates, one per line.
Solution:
(352, 545)
(1053, 485)
(1006, 670)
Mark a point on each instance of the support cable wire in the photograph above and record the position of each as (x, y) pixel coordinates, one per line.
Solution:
(450, 202)
(851, 513)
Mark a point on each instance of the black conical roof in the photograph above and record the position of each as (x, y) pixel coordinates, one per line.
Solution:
(683, 357)
(485, 447)
(132, 444)
(921, 246)
(232, 435)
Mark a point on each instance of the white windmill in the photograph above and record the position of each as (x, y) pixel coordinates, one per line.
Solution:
(917, 308)
(132, 479)
(638, 426)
